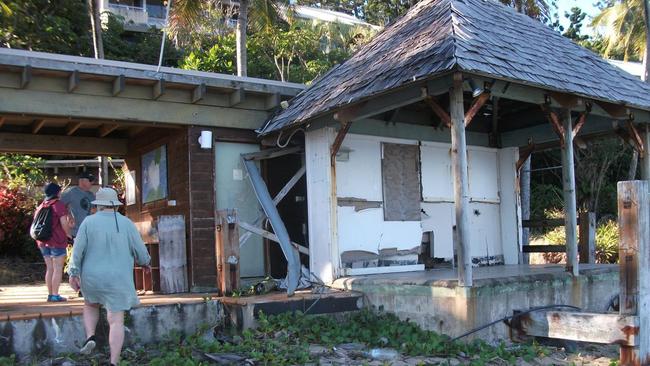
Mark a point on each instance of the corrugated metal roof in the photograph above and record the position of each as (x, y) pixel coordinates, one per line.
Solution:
(476, 36)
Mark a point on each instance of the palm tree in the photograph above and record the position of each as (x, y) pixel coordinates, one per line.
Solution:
(623, 28)
(186, 15)
(646, 56)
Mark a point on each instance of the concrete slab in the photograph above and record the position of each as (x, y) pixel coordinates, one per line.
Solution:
(434, 300)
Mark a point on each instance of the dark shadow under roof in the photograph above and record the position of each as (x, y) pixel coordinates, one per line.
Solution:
(482, 37)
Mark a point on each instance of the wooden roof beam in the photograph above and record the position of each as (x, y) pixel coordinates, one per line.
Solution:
(26, 76)
(119, 83)
(477, 104)
(614, 110)
(37, 125)
(134, 131)
(636, 138)
(581, 120)
(158, 89)
(438, 110)
(106, 129)
(73, 81)
(199, 93)
(555, 122)
(72, 127)
(68, 145)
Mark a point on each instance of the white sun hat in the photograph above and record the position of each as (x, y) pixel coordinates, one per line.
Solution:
(106, 197)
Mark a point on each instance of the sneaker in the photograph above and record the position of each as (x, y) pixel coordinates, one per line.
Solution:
(56, 298)
(88, 346)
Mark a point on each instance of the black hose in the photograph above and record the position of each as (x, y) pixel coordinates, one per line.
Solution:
(509, 317)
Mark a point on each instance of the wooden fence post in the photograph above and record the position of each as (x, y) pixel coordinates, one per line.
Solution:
(634, 259)
(227, 250)
(587, 237)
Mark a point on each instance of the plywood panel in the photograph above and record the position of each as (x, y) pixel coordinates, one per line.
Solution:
(173, 259)
(234, 190)
(401, 182)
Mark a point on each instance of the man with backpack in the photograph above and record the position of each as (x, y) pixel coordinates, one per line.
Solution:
(51, 230)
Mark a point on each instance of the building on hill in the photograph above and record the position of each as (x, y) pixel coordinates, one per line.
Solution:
(140, 15)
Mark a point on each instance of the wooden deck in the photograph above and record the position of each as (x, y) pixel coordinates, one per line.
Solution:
(22, 302)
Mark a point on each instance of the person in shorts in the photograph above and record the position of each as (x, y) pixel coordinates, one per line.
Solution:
(105, 250)
(54, 248)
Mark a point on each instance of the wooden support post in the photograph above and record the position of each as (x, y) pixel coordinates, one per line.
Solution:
(106, 129)
(199, 93)
(73, 81)
(227, 249)
(37, 125)
(237, 96)
(71, 128)
(477, 104)
(103, 171)
(569, 189)
(273, 100)
(587, 238)
(461, 186)
(119, 83)
(158, 89)
(645, 157)
(439, 111)
(26, 76)
(634, 259)
(2, 120)
(345, 127)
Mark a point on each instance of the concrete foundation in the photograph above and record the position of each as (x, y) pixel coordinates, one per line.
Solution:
(434, 301)
(51, 336)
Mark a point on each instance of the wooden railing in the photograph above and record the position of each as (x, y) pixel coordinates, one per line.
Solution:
(586, 238)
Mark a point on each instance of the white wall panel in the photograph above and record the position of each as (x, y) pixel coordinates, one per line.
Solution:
(360, 176)
(366, 230)
(439, 219)
(483, 174)
(436, 172)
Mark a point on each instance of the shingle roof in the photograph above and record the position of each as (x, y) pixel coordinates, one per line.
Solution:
(479, 36)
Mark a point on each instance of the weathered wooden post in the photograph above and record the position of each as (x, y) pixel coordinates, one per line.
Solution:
(587, 240)
(569, 190)
(634, 260)
(227, 249)
(461, 186)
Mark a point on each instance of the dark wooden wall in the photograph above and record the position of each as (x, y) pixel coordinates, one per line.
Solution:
(190, 179)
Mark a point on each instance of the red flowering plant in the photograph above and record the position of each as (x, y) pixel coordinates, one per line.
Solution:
(21, 180)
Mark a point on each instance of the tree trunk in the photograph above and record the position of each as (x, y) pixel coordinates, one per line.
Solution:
(96, 24)
(242, 24)
(646, 56)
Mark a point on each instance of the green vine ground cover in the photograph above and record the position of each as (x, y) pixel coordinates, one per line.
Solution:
(285, 340)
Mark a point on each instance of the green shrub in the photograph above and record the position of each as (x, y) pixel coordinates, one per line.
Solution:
(606, 240)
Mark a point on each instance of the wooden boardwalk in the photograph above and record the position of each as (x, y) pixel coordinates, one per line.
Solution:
(22, 302)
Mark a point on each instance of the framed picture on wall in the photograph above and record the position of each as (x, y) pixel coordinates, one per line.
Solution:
(154, 175)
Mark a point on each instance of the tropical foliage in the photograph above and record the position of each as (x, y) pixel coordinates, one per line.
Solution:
(621, 29)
